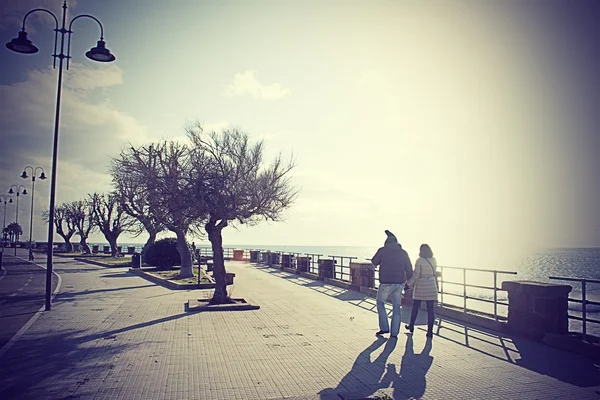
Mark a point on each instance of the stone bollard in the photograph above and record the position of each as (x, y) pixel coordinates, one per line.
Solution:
(362, 274)
(238, 255)
(536, 308)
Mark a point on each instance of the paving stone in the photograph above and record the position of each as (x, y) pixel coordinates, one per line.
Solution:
(114, 335)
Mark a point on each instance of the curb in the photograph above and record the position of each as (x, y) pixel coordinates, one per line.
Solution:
(170, 284)
(24, 328)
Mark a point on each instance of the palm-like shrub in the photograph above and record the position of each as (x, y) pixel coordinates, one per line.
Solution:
(163, 254)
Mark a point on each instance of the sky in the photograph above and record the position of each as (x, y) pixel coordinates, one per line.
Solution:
(469, 125)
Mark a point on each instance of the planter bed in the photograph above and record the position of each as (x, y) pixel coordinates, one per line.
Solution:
(147, 274)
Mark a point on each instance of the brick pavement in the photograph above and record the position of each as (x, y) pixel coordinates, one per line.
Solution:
(112, 335)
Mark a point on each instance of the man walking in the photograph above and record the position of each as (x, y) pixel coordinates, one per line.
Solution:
(395, 269)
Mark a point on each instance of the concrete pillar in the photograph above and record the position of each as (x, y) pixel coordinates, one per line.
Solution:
(536, 308)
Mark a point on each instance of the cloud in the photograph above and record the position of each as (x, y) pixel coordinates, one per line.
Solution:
(13, 11)
(246, 83)
(91, 130)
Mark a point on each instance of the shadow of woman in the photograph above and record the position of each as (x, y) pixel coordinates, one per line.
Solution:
(411, 382)
(364, 377)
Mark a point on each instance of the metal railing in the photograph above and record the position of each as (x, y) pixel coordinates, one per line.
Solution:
(584, 302)
(495, 289)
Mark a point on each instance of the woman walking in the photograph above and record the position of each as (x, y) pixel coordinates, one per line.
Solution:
(424, 282)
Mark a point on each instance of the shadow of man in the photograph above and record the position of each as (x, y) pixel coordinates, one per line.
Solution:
(364, 377)
(411, 382)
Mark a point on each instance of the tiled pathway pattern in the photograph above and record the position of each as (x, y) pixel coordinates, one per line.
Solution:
(113, 335)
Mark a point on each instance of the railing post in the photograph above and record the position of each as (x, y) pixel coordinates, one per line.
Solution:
(464, 290)
(442, 285)
(583, 310)
(495, 296)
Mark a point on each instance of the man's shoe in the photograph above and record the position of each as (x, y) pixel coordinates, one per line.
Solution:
(410, 328)
(382, 332)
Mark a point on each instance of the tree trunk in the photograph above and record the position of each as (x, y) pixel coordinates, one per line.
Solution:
(216, 240)
(84, 245)
(68, 245)
(149, 242)
(112, 241)
(186, 257)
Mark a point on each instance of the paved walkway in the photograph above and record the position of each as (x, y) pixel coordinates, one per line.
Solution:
(112, 335)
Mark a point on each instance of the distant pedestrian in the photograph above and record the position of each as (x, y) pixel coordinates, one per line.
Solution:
(424, 282)
(394, 270)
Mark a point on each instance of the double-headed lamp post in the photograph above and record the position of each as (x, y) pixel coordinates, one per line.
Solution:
(3, 199)
(100, 53)
(42, 177)
(18, 192)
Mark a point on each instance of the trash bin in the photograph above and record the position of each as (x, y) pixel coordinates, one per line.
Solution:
(254, 256)
(136, 260)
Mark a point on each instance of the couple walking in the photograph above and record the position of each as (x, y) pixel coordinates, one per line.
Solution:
(395, 274)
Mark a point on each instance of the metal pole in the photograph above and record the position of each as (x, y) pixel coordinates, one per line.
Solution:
(17, 221)
(61, 57)
(464, 290)
(583, 310)
(495, 296)
(3, 227)
(442, 285)
(31, 215)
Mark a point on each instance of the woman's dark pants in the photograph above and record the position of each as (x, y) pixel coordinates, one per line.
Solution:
(430, 313)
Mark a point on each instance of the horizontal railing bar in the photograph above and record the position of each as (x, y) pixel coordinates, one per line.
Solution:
(482, 270)
(594, 321)
(473, 286)
(479, 299)
(563, 278)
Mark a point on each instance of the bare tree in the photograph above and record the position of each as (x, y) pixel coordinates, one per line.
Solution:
(161, 174)
(233, 186)
(133, 198)
(81, 215)
(63, 222)
(109, 217)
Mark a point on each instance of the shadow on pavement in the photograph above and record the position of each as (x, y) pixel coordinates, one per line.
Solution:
(567, 367)
(367, 378)
(353, 297)
(36, 367)
(110, 334)
(65, 296)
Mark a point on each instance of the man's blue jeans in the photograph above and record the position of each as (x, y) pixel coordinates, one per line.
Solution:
(383, 293)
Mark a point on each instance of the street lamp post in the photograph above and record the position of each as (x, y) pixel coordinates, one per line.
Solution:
(42, 177)
(3, 199)
(100, 53)
(24, 192)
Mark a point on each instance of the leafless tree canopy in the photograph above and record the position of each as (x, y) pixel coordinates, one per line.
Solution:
(81, 216)
(231, 181)
(63, 222)
(155, 183)
(109, 217)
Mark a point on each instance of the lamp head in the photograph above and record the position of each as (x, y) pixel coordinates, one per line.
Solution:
(100, 53)
(24, 191)
(10, 191)
(10, 200)
(21, 44)
(43, 176)
(24, 175)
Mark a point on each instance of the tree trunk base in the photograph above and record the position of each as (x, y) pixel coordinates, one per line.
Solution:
(216, 300)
